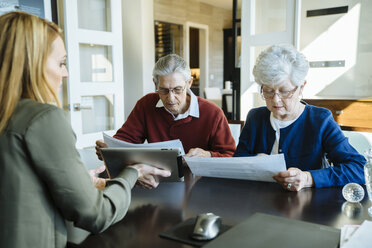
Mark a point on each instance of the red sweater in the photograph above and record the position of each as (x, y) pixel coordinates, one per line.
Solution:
(210, 131)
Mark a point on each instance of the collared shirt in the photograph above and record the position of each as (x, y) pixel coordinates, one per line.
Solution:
(193, 109)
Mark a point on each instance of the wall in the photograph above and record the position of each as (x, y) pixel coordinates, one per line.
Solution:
(180, 11)
(346, 37)
(138, 50)
(338, 37)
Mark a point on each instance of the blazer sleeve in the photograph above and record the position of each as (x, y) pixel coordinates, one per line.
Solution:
(51, 144)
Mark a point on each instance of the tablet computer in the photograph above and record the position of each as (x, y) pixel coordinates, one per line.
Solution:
(166, 158)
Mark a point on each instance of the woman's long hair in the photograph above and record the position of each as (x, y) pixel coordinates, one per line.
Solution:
(25, 43)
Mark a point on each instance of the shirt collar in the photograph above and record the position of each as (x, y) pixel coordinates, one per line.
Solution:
(193, 109)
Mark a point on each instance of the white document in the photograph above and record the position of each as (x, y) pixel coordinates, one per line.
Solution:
(346, 232)
(258, 168)
(112, 142)
(362, 237)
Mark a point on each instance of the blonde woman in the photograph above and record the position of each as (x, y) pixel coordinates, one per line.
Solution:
(42, 179)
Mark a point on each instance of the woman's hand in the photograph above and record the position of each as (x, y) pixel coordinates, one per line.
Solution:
(198, 152)
(99, 183)
(294, 179)
(148, 175)
(99, 145)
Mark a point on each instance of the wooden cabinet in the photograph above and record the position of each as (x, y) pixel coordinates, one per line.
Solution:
(351, 114)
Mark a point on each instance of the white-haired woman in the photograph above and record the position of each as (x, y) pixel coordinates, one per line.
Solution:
(307, 135)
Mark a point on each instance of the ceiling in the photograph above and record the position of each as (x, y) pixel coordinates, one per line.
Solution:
(225, 4)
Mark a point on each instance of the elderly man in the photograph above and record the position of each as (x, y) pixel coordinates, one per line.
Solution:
(174, 112)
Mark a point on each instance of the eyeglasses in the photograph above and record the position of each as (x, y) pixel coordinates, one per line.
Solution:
(281, 94)
(176, 91)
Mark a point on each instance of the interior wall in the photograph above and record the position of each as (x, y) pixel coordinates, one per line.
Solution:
(138, 49)
(181, 11)
(339, 37)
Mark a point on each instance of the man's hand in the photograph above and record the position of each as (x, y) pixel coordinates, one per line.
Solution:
(294, 179)
(99, 145)
(148, 176)
(198, 152)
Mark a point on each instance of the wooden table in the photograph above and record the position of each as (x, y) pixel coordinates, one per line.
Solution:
(154, 211)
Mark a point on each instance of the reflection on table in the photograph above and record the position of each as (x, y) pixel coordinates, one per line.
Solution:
(154, 211)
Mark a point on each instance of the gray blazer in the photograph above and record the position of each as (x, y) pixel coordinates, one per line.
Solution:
(43, 182)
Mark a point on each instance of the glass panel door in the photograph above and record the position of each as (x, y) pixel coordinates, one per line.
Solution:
(264, 23)
(95, 85)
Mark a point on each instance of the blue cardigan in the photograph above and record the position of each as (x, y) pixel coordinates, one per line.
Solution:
(305, 143)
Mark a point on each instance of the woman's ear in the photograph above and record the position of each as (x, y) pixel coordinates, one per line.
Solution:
(302, 86)
(302, 89)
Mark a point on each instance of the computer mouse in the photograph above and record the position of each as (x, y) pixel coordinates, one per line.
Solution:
(207, 226)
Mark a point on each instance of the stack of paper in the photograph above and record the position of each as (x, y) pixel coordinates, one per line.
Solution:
(259, 168)
(112, 142)
(354, 236)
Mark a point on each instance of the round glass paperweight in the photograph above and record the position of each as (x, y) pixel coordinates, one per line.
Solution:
(353, 192)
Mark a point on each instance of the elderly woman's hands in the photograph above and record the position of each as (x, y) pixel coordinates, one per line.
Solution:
(294, 179)
(148, 175)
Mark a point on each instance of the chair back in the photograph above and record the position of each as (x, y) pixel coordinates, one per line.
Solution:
(235, 128)
(361, 141)
(89, 158)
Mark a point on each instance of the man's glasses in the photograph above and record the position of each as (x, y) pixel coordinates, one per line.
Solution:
(266, 94)
(166, 91)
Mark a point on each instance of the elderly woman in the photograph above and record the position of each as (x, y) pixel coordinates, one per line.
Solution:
(307, 135)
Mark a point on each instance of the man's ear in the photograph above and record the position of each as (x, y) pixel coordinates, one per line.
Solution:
(156, 86)
(189, 83)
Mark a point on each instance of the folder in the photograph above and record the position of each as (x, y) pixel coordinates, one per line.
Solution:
(263, 230)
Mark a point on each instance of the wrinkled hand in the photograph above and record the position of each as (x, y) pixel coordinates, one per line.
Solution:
(99, 183)
(148, 175)
(294, 179)
(99, 145)
(198, 152)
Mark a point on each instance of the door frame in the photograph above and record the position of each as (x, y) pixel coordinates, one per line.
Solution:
(203, 52)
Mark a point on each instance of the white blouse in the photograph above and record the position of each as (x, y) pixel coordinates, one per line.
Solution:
(277, 125)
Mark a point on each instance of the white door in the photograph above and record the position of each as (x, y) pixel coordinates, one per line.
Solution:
(93, 35)
(264, 23)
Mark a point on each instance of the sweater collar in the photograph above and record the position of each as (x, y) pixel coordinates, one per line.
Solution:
(193, 109)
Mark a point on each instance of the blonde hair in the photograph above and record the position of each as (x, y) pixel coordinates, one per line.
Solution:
(25, 44)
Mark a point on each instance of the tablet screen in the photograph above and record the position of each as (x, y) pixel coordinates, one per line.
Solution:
(166, 158)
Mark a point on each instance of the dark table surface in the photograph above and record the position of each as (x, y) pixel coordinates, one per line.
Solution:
(154, 211)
